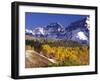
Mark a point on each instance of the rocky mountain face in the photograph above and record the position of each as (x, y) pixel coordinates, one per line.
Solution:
(77, 31)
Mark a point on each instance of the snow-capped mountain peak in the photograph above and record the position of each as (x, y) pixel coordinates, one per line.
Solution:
(76, 31)
(28, 31)
(39, 30)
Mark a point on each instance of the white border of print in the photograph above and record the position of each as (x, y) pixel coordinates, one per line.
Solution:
(54, 70)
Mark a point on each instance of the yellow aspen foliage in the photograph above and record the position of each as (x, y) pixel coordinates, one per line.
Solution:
(77, 55)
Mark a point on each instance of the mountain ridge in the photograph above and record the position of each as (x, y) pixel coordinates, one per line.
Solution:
(76, 31)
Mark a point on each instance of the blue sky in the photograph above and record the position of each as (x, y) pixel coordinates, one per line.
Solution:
(33, 20)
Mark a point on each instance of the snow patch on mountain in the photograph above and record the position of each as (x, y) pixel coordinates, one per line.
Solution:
(39, 30)
(81, 36)
(29, 32)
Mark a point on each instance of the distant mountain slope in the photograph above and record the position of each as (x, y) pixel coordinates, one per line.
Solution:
(77, 31)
